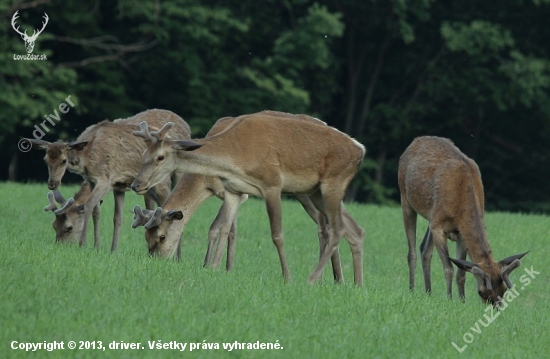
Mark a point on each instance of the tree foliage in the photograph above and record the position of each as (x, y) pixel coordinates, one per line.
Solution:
(382, 71)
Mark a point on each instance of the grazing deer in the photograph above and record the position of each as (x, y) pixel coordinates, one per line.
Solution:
(266, 155)
(444, 186)
(163, 234)
(69, 219)
(108, 156)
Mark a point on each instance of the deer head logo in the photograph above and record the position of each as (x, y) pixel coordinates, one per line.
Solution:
(29, 40)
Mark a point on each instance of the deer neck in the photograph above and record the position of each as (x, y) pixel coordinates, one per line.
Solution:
(213, 159)
(75, 163)
(190, 192)
(475, 240)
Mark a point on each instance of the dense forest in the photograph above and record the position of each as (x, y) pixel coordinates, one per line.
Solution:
(385, 72)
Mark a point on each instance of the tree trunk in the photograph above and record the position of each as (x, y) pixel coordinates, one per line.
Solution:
(12, 169)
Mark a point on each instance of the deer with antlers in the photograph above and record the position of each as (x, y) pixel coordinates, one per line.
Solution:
(69, 218)
(108, 156)
(165, 225)
(29, 40)
(266, 155)
(444, 186)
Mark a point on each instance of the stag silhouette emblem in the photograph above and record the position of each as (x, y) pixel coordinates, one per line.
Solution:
(29, 40)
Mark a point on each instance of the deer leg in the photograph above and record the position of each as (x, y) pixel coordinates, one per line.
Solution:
(99, 191)
(214, 234)
(426, 249)
(355, 235)
(96, 214)
(231, 246)
(460, 274)
(330, 204)
(228, 213)
(440, 242)
(322, 233)
(409, 221)
(355, 240)
(231, 238)
(117, 218)
(274, 211)
(212, 238)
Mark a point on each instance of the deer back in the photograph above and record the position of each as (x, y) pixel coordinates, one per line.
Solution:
(263, 145)
(436, 178)
(112, 151)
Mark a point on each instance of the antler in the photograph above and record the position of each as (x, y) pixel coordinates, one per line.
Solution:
(155, 220)
(159, 135)
(52, 206)
(141, 217)
(144, 133)
(15, 17)
(65, 208)
(59, 197)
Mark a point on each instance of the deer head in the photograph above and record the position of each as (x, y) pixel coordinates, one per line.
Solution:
(157, 224)
(157, 158)
(492, 282)
(58, 156)
(29, 40)
(69, 219)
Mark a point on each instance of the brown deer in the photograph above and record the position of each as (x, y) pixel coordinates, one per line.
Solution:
(444, 186)
(108, 156)
(69, 219)
(266, 155)
(163, 234)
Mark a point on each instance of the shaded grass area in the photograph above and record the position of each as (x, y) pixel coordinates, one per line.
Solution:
(53, 292)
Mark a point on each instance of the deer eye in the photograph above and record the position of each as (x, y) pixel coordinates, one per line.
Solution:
(64, 161)
(162, 238)
(160, 158)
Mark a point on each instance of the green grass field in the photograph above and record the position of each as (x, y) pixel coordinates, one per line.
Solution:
(52, 292)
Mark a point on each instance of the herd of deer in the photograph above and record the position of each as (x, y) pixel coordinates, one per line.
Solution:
(267, 154)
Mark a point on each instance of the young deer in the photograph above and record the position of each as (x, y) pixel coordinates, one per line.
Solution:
(444, 186)
(265, 155)
(108, 156)
(163, 234)
(69, 219)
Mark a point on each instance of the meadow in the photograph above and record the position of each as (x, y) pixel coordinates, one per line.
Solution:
(56, 292)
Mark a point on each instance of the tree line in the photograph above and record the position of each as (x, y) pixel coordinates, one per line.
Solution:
(384, 72)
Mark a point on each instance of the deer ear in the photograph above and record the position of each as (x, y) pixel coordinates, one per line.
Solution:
(464, 265)
(174, 215)
(38, 144)
(78, 146)
(507, 261)
(185, 145)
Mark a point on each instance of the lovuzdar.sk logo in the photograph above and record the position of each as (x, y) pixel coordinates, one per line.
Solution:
(29, 40)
